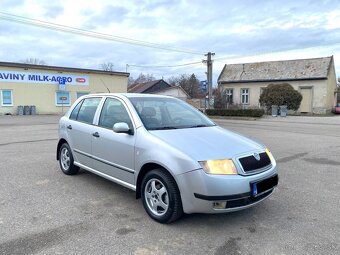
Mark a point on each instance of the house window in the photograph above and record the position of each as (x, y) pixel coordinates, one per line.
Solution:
(261, 90)
(244, 96)
(6, 98)
(229, 95)
(80, 94)
(62, 98)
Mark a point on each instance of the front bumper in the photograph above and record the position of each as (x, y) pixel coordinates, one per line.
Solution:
(201, 191)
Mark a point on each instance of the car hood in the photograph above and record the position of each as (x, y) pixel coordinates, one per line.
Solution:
(204, 143)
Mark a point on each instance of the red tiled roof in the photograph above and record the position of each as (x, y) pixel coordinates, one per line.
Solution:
(142, 87)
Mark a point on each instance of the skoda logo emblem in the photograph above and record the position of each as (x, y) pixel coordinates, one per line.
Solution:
(257, 156)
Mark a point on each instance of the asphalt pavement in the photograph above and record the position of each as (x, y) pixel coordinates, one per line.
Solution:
(43, 211)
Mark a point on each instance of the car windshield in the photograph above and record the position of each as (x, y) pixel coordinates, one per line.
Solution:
(161, 113)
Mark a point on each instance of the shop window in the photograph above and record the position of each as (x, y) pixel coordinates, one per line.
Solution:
(244, 96)
(63, 98)
(80, 94)
(6, 98)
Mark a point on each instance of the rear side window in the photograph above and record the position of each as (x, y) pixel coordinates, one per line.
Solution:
(88, 109)
(74, 113)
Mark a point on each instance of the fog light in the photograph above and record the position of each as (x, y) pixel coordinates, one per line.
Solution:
(219, 204)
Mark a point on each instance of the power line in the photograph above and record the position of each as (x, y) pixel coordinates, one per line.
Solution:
(169, 72)
(83, 32)
(167, 66)
(73, 30)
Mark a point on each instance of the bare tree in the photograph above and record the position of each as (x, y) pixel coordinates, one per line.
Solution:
(131, 81)
(220, 101)
(33, 61)
(174, 80)
(108, 66)
(189, 83)
(142, 78)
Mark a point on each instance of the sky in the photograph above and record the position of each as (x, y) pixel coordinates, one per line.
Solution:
(179, 32)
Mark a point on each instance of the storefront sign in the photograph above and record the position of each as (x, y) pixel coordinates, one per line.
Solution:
(42, 78)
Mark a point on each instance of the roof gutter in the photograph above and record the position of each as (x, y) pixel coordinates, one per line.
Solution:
(264, 80)
(60, 69)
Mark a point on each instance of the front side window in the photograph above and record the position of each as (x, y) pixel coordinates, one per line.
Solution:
(244, 96)
(159, 113)
(88, 109)
(113, 112)
(63, 98)
(229, 95)
(6, 98)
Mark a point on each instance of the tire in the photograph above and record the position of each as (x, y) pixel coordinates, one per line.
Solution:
(161, 197)
(66, 160)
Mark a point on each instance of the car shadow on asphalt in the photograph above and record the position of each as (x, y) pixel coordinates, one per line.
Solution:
(216, 221)
(106, 185)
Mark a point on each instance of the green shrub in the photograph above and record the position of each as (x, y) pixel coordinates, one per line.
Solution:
(281, 94)
(236, 112)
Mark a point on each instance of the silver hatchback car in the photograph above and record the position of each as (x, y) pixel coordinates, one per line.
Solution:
(175, 158)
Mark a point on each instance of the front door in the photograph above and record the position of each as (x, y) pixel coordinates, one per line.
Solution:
(113, 153)
(306, 103)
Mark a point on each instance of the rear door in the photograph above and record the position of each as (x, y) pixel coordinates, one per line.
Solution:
(80, 130)
(113, 153)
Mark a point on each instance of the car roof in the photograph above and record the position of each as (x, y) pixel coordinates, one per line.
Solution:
(127, 95)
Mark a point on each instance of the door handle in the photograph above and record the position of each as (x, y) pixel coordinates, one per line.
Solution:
(69, 127)
(96, 134)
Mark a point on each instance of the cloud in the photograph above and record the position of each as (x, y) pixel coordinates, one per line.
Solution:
(108, 15)
(253, 30)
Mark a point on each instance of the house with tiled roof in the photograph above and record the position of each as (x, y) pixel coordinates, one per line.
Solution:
(159, 87)
(314, 78)
(148, 87)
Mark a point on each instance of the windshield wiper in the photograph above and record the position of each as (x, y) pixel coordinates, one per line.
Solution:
(201, 125)
(163, 128)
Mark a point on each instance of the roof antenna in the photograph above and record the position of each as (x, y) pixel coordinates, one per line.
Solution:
(105, 85)
(242, 71)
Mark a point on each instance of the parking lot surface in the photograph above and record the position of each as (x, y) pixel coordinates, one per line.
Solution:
(43, 211)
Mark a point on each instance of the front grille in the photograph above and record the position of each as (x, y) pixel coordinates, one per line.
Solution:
(250, 163)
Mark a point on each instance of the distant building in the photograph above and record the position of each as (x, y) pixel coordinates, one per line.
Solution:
(148, 87)
(314, 78)
(174, 91)
(52, 89)
(159, 87)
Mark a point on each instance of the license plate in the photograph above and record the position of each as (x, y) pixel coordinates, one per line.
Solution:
(262, 186)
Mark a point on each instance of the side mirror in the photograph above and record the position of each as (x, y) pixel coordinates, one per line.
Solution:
(122, 127)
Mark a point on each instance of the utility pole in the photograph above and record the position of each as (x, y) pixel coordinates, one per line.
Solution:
(209, 77)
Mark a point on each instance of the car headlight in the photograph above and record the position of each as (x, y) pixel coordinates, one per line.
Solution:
(220, 166)
(270, 155)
